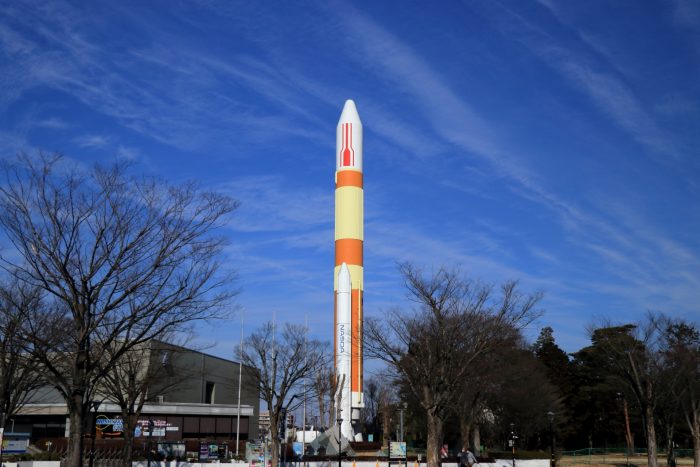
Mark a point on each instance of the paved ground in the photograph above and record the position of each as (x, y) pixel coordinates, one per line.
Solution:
(599, 460)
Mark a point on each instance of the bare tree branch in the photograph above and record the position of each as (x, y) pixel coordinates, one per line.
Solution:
(121, 259)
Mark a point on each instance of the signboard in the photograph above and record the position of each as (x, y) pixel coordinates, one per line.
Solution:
(397, 450)
(211, 451)
(370, 437)
(176, 450)
(203, 451)
(255, 454)
(15, 446)
(159, 428)
(113, 427)
(109, 427)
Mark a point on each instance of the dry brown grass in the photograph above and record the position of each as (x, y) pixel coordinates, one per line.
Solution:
(606, 460)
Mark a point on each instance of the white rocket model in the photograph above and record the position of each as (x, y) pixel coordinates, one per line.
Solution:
(349, 270)
(344, 343)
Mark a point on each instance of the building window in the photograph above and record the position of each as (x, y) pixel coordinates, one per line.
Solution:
(209, 393)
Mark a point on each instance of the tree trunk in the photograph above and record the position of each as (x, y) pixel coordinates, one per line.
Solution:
(465, 427)
(695, 430)
(629, 437)
(386, 427)
(651, 436)
(331, 412)
(434, 426)
(670, 455)
(275, 453)
(75, 441)
(476, 439)
(321, 410)
(128, 448)
(274, 438)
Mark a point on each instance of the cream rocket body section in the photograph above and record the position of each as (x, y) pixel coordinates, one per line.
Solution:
(348, 271)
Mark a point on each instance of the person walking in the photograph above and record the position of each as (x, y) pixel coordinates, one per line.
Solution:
(471, 460)
(463, 458)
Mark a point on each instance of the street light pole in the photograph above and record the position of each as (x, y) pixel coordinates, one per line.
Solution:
(264, 448)
(240, 374)
(552, 459)
(2, 433)
(404, 406)
(513, 437)
(340, 439)
(150, 437)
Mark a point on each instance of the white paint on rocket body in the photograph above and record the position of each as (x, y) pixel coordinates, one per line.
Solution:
(349, 226)
(343, 341)
(349, 124)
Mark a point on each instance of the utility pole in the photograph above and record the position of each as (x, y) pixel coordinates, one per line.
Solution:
(2, 433)
(340, 443)
(240, 373)
(513, 437)
(404, 406)
(150, 437)
(552, 458)
(303, 416)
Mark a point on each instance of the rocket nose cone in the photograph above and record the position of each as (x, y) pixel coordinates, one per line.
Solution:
(344, 279)
(349, 113)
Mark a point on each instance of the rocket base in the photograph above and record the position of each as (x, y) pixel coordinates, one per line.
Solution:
(327, 443)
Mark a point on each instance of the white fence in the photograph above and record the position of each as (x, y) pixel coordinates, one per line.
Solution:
(345, 463)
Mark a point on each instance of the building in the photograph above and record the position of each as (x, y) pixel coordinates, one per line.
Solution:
(189, 394)
(264, 422)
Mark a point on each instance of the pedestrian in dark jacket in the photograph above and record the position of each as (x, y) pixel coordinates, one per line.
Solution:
(466, 458)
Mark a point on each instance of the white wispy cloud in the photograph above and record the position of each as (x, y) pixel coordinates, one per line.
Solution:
(605, 87)
(92, 141)
(270, 203)
(127, 153)
(53, 122)
(686, 13)
(174, 97)
(456, 122)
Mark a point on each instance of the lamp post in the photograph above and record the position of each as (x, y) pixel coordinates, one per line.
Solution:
(150, 436)
(264, 435)
(2, 432)
(340, 439)
(513, 437)
(552, 459)
(94, 405)
(403, 407)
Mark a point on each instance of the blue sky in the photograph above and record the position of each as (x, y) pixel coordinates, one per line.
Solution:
(551, 142)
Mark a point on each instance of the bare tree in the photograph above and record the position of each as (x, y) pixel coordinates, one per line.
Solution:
(121, 259)
(481, 382)
(681, 357)
(387, 408)
(323, 379)
(432, 347)
(326, 386)
(19, 377)
(374, 389)
(130, 380)
(284, 360)
(633, 354)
